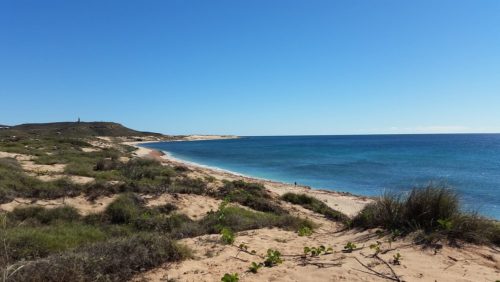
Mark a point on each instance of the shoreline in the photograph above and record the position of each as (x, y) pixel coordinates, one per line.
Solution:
(345, 202)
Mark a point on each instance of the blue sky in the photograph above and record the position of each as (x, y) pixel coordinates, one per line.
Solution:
(259, 67)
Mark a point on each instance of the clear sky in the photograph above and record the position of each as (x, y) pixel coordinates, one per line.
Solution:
(254, 67)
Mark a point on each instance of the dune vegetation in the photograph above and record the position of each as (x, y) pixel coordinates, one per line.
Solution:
(130, 235)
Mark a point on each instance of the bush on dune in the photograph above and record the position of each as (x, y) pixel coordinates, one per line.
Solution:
(138, 169)
(239, 219)
(315, 205)
(125, 209)
(252, 195)
(435, 211)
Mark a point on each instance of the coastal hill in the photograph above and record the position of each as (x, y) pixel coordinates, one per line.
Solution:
(73, 129)
(84, 202)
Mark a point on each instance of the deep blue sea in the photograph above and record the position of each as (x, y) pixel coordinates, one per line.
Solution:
(363, 165)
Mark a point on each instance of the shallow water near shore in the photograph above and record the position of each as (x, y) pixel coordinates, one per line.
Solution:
(364, 165)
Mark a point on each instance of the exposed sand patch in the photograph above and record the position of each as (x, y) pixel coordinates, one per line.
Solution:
(194, 206)
(42, 169)
(83, 205)
(19, 157)
(89, 149)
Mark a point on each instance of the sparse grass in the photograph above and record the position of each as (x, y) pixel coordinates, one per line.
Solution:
(435, 211)
(315, 205)
(40, 241)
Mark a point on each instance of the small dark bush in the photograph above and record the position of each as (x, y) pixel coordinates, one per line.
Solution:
(315, 205)
(166, 208)
(106, 164)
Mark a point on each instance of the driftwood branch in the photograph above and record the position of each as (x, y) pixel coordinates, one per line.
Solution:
(387, 264)
(376, 272)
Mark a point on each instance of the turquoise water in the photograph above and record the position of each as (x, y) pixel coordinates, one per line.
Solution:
(363, 165)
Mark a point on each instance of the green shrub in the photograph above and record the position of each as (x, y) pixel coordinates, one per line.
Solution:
(230, 277)
(273, 258)
(349, 247)
(227, 236)
(315, 205)
(254, 267)
(125, 209)
(305, 231)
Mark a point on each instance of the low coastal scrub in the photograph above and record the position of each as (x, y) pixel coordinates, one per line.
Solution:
(239, 219)
(315, 205)
(114, 260)
(252, 195)
(14, 182)
(434, 211)
(44, 216)
(32, 242)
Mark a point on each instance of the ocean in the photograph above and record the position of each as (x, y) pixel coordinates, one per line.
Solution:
(363, 165)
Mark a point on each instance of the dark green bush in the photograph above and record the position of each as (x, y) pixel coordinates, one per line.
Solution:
(315, 205)
(125, 209)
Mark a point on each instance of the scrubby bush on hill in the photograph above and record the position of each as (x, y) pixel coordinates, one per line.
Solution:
(252, 195)
(315, 205)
